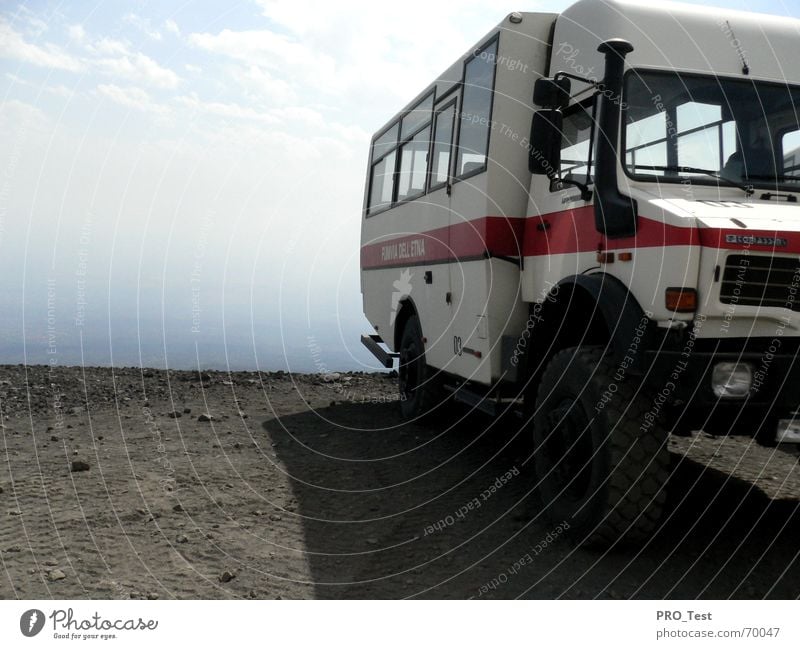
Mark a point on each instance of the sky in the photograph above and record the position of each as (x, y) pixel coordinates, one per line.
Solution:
(181, 182)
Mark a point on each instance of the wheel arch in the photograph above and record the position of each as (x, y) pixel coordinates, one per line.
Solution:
(593, 309)
(620, 311)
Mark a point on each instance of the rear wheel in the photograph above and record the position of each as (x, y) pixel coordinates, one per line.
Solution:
(420, 388)
(601, 455)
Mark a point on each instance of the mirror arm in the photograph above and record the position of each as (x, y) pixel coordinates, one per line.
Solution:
(586, 193)
(592, 82)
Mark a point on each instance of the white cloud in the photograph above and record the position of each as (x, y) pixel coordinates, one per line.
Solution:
(34, 25)
(261, 84)
(132, 97)
(272, 52)
(263, 47)
(225, 110)
(321, 68)
(301, 115)
(59, 90)
(116, 58)
(19, 117)
(14, 46)
(266, 146)
(109, 46)
(143, 25)
(139, 68)
(351, 51)
(76, 33)
(172, 27)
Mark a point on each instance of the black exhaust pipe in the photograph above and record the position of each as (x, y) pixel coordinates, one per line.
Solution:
(615, 214)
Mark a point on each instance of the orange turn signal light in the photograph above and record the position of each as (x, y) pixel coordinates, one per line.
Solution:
(681, 299)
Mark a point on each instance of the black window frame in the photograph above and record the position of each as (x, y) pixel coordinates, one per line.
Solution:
(441, 106)
(780, 135)
(373, 163)
(457, 89)
(492, 40)
(403, 142)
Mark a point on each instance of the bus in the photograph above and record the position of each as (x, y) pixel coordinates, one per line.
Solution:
(590, 220)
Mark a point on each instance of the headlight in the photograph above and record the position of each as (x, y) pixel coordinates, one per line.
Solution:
(731, 380)
(788, 431)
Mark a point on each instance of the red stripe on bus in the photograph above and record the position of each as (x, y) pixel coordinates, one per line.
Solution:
(572, 231)
(493, 235)
(563, 232)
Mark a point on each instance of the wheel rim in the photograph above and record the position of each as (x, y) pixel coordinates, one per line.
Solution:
(568, 449)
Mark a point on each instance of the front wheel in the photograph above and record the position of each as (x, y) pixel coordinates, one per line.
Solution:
(420, 389)
(601, 455)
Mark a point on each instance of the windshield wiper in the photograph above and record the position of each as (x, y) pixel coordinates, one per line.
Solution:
(747, 189)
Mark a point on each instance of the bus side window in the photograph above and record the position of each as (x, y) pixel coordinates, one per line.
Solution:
(790, 145)
(415, 134)
(442, 145)
(476, 108)
(381, 182)
(381, 185)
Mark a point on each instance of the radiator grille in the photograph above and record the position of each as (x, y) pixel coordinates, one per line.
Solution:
(756, 280)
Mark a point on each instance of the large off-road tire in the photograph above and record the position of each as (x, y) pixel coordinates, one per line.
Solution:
(600, 453)
(420, 388)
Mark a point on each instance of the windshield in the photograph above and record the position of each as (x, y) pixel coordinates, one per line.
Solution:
(690, 128)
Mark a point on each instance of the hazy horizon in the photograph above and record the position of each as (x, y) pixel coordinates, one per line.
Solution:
(181, 184)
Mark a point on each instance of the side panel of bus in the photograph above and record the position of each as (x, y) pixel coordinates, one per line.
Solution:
(405, 244)
(492, 206)
(456, 256)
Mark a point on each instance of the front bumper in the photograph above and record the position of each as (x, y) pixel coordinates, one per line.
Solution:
(679, 376)
(776, 378)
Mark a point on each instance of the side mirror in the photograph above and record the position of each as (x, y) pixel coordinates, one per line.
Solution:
(544, 155)
(552, 93)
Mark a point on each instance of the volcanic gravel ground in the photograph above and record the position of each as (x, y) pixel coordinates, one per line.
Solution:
(115, 484)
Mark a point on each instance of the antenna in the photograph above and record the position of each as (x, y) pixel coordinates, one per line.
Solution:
(735, 42)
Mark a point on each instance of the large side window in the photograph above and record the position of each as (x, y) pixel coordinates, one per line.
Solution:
(576, 145)
(442, 144)
(791, 156)
(680, 126)
(646, 144)
(704, 138)
(415, 134)
(381, 183)
(474, 127)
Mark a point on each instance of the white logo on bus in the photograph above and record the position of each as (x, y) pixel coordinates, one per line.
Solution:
(402, 287)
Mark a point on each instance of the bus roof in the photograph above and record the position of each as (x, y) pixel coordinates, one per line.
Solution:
(671, 35)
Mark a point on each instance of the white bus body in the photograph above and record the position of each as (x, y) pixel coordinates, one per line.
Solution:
(680, 277)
